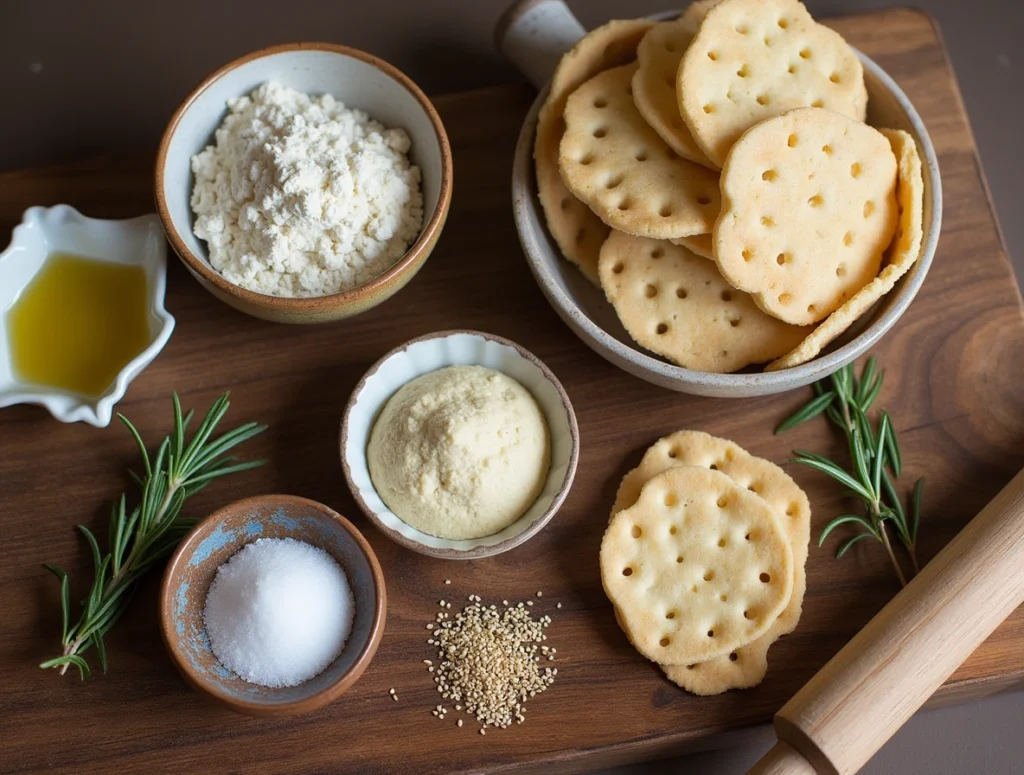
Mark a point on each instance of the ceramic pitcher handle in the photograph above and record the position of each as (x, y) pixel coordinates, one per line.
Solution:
(533, 35)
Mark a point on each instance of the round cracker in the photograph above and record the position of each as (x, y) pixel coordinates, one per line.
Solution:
(746, 666)
(576, 230)
(903, 253)
(754, 59)
(697, 567)
(809, 208)
(701, 244)
(654, 87)
(693, 15)
(621, 168)
(679, 306)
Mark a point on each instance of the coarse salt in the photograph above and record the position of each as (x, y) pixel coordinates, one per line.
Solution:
(279, 612)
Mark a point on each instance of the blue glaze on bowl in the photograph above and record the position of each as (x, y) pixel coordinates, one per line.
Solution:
(213, 542)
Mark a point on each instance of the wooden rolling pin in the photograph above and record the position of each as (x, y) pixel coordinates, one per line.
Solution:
(867, 691)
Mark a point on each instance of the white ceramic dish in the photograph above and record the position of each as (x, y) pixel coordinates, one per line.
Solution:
(584, 308)
(436, 351)
(44, 230)
(358, 80)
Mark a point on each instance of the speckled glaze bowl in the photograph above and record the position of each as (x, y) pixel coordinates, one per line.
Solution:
(459, 348)
(534, 34)
(211, 543)
(357, 79)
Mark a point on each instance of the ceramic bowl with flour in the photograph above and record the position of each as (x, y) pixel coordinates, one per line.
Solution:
(309, 252)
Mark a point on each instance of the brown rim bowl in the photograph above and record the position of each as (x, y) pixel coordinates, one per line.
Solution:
(211, 543)
(429, 353)
(357, 79)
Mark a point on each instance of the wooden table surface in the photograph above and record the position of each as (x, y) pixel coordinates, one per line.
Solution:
(954, 363)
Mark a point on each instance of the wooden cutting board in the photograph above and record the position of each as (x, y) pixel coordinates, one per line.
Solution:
(954, 369)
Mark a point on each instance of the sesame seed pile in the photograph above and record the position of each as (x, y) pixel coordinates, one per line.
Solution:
(489, 660)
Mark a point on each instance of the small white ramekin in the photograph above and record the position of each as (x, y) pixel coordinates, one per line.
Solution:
(433, 352)
(133, 242)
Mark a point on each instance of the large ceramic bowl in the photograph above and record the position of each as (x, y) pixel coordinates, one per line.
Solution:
(433, 352)
(130, 242)
(357, 79)
(211, 543)
(583, 306)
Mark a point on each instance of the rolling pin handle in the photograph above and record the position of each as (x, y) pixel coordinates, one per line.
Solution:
(533, 35)
(782, 759)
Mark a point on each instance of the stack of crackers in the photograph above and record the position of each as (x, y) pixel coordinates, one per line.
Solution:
(714, 175)
(704, 560)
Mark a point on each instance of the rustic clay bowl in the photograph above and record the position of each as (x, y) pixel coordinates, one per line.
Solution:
(211, 543)
(533, 35)
(436, 351)
(357, 79)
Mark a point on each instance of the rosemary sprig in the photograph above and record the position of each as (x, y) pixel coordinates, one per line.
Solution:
(874, 455)
(140, 539)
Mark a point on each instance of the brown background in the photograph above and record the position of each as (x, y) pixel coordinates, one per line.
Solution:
(87, 78)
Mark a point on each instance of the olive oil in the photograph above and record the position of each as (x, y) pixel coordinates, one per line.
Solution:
(78, 323)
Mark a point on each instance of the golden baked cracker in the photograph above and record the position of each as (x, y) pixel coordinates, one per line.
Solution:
(577, 231)
(701, 244)
(615, 163)
(694, 14)
(903, 253)
(697, 567)
(677, 305)
(654, 87)
(809, 208)
(747, 665)
(754, 59)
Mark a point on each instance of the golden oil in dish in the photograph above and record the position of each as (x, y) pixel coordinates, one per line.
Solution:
(78, 323)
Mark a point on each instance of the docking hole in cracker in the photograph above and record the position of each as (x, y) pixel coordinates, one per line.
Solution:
(809, 208)
(901, 255)
(578, 233)
(754, 59)
(679, 306)
(721, 597)
(621, 168)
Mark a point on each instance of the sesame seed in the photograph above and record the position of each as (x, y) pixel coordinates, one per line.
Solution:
(558, 605)
(488, 661)
(394, 697)
(539, 593)
(459, 722)
(483, 731)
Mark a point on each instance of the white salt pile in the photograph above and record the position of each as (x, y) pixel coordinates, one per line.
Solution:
(279, 612)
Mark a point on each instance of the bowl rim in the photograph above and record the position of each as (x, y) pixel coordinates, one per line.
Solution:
(423, 243)
(661, 372)
(476, 552)
(306, 704)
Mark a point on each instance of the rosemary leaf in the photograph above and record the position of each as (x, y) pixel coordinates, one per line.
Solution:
(834, 471)
(892, 447)
(845, 519)
(915, 509)
(846, 546)
(808, 412)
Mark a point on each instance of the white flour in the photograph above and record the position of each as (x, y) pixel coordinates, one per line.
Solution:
(301, 196)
